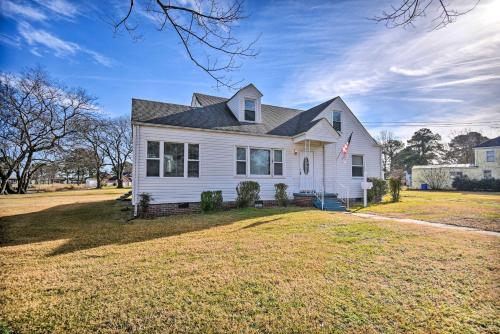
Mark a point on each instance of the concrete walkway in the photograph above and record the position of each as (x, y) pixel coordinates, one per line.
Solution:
(426, 223)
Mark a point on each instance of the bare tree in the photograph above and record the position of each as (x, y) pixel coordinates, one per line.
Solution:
(117, 145)
(93, 137)
(205, 30)
(36, 114)
(390, 147)
(436, 178)
(408, 11)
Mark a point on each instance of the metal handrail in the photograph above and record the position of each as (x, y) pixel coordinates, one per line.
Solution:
(344, 195)
(320, 194)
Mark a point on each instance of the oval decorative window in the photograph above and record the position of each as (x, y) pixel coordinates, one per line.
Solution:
(305, 165)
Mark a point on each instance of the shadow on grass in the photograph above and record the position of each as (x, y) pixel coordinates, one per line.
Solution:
(89, 225)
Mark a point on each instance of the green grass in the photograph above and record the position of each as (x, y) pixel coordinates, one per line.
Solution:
(81, 268)
(471, 209)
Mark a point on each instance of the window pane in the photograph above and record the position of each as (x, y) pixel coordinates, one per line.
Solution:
(278, 155)
(278, 169)
(241, 168)
(193, 168)
(152, 167)
(173, 164)
(357, 160)
(337, 126)
(490, 156)
(336, 116)
(153, 149)
(241, 153)
(260, 162)
(194, 151)
(250, 105)
(249, 115)
(357, 171)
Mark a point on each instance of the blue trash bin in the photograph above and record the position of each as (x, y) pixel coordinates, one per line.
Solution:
(424, 186)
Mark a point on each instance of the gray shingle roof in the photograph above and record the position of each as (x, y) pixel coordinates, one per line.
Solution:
(214, 114)
(490, 143)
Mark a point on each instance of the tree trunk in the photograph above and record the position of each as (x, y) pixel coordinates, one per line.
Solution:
(98, 178)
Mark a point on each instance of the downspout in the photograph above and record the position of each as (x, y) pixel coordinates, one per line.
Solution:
(135, 140)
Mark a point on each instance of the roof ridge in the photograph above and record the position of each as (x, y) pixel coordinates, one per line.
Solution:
(264, 104)
(154, 101)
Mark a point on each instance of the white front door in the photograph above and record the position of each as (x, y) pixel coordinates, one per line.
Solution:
(306, 164)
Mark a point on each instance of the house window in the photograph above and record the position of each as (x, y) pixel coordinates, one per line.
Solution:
(260, 161)
(336, 120)
(173, 160)
(357, 166)
(193, 160)
(249, 110)
(487, 174)
(153, 159)
(241, 161)
(456, 174)
(490, 156)
(278, 162)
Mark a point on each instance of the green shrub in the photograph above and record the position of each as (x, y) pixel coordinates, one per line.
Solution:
(218, 200)
(281, 195)
(395, 184)
(144, 201)
(211, 200)
(463, 183)
(248, 193)
(378, 190)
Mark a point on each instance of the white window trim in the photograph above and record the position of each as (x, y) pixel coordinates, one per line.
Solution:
(187, 160)
(340, 112)
(162, 159)
(159, 158)
(258, 176)
(493, 155)
(235, 160)
(363, 166)
(255, 111)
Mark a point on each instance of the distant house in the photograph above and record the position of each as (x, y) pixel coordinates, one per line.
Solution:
(486, 165)
(180, 151)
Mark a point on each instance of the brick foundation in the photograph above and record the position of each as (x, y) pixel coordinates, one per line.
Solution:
(305, 201)
(167, 209)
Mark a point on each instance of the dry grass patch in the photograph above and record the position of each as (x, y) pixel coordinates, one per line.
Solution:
(80, 268)
(471, 209)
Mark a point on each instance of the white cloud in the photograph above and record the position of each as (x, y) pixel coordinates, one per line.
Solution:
(61, 7)
(410, 72)
(475, 79)
(37, 37)
(16, 10)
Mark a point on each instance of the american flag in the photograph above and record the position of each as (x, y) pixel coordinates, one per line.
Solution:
(345, 148)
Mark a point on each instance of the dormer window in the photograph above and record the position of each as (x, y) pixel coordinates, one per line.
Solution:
(250, 110)
(336, 120)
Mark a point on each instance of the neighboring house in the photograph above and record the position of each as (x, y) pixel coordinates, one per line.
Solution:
(113, 181)
(215, 143)
(486, 165)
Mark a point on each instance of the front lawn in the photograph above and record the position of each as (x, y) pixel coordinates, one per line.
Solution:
(80, 268)
(472, 209)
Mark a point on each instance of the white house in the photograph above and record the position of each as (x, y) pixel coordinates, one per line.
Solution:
(213, 144)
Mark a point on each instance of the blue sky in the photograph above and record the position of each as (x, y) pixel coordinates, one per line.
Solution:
(310, 51)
